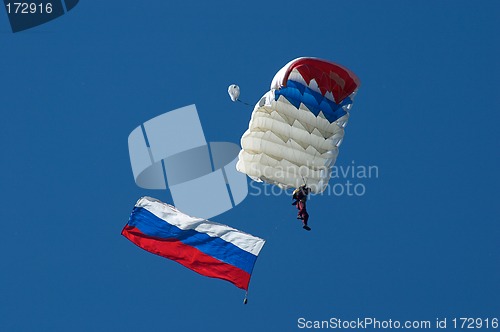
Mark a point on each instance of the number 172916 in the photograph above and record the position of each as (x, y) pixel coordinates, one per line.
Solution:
(28, 8)
(475, 323)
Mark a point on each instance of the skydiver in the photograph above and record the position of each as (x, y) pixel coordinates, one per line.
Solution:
(300, 197)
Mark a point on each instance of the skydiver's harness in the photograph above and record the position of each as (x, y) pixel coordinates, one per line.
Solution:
(300, 195)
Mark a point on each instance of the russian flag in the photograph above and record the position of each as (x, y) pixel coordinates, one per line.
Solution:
(211, 249)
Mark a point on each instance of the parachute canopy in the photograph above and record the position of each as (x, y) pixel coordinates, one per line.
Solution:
(297, 127)
(234, 92)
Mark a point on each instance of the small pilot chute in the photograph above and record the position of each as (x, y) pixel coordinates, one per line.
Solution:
(234, 92)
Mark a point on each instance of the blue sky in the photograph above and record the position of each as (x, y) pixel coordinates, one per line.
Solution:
(420, 244)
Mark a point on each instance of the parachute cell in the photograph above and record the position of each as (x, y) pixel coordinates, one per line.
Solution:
(297, 127)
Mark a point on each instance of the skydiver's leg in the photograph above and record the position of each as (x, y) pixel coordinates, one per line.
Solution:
(304, 215)
(299, 215)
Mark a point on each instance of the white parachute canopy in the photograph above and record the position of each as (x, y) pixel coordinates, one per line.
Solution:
(234, 92)
(297, 127)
